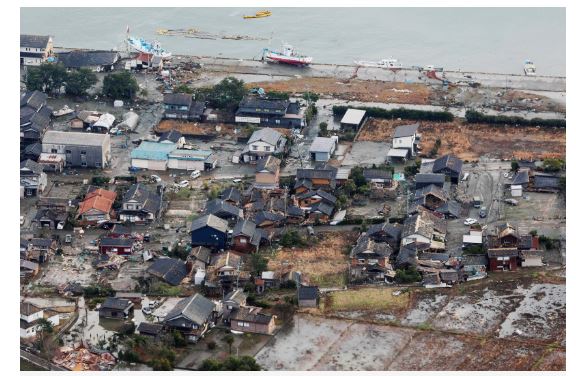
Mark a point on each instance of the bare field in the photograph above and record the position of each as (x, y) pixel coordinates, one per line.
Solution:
(469, 142)
(373, 299)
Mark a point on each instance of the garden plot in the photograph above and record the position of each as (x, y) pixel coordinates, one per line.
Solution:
(477, 312)
(425, 309)
(540, 315)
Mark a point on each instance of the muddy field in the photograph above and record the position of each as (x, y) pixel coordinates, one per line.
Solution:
(357, 90)
(324, 262)
(469, 142)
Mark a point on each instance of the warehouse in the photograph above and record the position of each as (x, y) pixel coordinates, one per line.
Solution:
(201, 160)
(151, 155)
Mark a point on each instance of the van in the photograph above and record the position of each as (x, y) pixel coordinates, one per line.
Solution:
(477, 202)
(465, 177)
(195, 174)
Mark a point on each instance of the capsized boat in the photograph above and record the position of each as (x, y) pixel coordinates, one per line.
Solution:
(63, 111)
(141, 45)
(287, 56)
(529, 68)
(391, 64)
(260, 14)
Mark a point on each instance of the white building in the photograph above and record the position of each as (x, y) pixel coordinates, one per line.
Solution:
(29, 316)
(404, 141)
(35, 49)
(322, 148)
(262, 143)
(182, 159)
(78, 149)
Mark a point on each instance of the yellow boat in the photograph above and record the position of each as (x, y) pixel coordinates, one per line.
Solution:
(260, 14)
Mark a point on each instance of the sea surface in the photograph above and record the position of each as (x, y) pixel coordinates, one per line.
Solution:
(471, 39)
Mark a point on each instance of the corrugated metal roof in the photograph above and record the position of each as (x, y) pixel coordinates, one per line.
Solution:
(353, 116)
(191, 155)
(406, 130)
(75, 138)
(153, 151)
(397, 153)
(322, 145)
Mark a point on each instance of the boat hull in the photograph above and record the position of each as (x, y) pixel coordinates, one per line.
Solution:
(277, 58)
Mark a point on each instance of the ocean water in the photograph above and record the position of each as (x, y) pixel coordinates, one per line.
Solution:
(473, 39)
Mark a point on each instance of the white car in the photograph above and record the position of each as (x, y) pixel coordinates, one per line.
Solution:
(183, 184)
(22, 219)
(195, 174)
(470, 221)
(156, 178)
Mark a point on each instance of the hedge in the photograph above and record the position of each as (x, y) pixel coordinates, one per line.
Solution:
(402, 113)
(477, 117)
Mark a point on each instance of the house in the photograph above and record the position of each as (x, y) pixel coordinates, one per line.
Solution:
(192, 317)
(267, 173)
(521, 178)
(84, 119)
(246, 237)
(117, 246)
(140, 205)
(277, 113)
(307, 200)
(386, 232)
(78, 149)
(97, 61)
(54, 219)
(251, 320)
(432, 196)
(377, 178)
(169, 270)
(103, 124)
(450, 166)
(184, 159)
(370, 260)
(264, 142)
(503, 259)
(502, 248)
(28, 268)
(30, 315)
(425, 228)
(152, 155)
(199, 255)
(231, 302)
(35, 49)
(34, 117)
(322, 148)
(32, 152)
(209, 231)
(231, 195)
(149, 330)
(423, 180)
(268, 219)
(308, 296)
(224, 210)
(450, 209)
(181, 106)
(352, 119)
(295, 215)
(321, 177)
(33, 180)
(120, 231)
(271, 279)
(224, 271)
(405, 141)
(148, 61)
(41, 249)
(24, 248)
(545, 183)
(116, 308)
(96, 206)
(172, 137)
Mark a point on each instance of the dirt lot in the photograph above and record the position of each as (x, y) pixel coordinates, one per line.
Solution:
(324, 263)
(469, 142)
(358, 90)
(377, 299)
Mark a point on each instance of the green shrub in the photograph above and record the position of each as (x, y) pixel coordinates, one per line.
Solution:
(408, 275)
(403, 113)
(477, 117)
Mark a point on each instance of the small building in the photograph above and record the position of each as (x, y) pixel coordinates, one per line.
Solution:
(172, 137)
(28, 268)
(246, 237)
(251, 320)
(200, 254)
(386, 232)
(140, 205)
(231, 195)
(232, 301)
(353, 119)
(209, 231)
(49, 218)
(267, 173)
(322, 148)
(370, 260)
(96, 206)
(502, 259)
(522, 177)
(84, 119)
(152, 155)
(423, 180)
(321, 177)
(200, 160)
(30, 316)
(308, 296)
(149, 329)
(78, 149)
(181, 106)
(277, 113)
(103, 124)
(35, 49)
(432, 196)
(41, 249)
(97, 61)
(450, 166)
(34, 117)
(33, 180)
(268, 219)
(405, 137)
(516, 190)
(117, 246)
(192, 317)
(377, 178)
(450, 209)
(169, 270)
(264, 142)
(116, 308)
(224, 210)
(546, 183)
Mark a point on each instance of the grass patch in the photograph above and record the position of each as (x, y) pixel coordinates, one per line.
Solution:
(329, 280)
(366, 299)
(164, 289)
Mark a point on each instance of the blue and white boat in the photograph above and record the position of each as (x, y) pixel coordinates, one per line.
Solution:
(141, 45)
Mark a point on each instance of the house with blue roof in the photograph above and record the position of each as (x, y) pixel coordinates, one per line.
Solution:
(183, 159)
(152, 155)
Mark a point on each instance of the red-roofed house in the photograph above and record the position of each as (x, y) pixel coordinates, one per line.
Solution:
(96, 207)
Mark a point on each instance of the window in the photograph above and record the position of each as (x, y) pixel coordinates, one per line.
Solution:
(54, 151)
(83, 152)
(267, 148)
(242, 240)
(254, 147)
(98, 164)
(68, 151)
(278, 121)
(84, 164)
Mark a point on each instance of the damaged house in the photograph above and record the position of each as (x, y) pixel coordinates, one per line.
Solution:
(140, 205)
(192, 317)
(370, 260)
(96, 206)
(426, 228)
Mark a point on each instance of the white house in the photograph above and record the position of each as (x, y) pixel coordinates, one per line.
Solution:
(405, 138)
(35, 49)
(29, 316)
(262, 143)
(322, 148)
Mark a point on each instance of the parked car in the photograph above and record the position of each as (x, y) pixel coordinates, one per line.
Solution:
(156, 178)
(482, 213)
(511, 201)
(22, 220)
(183, 184)
(195, 174)
(470, 221)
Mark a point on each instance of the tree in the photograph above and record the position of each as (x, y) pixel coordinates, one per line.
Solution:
(229, 339)
(78, 82)
(310, 97)
(514, 165)
(553, 165)
(232, 363)
(323, 129)
(408, 275)
(179, 340)
(258, 262)
(47, 77)
(227, 93)
(120, 85)
(357, 175)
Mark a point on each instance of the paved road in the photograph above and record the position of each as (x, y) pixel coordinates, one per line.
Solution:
(43, 363)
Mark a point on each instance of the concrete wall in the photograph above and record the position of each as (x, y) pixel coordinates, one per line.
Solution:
(189, 165)
(150, 164)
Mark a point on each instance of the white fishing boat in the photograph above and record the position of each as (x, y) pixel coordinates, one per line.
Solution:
(529, 68)
(391, 64)
(63, 111)
(287, 56)
(141, 45)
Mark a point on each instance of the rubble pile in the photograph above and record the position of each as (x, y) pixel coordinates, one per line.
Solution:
(81, 359)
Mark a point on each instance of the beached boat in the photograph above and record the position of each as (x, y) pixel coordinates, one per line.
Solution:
(141, 45)
(260, 14)
(287, 56)
(63, 111)
(529, 68)
(391, 64)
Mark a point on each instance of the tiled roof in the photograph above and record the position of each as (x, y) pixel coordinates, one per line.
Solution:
(100, 199)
